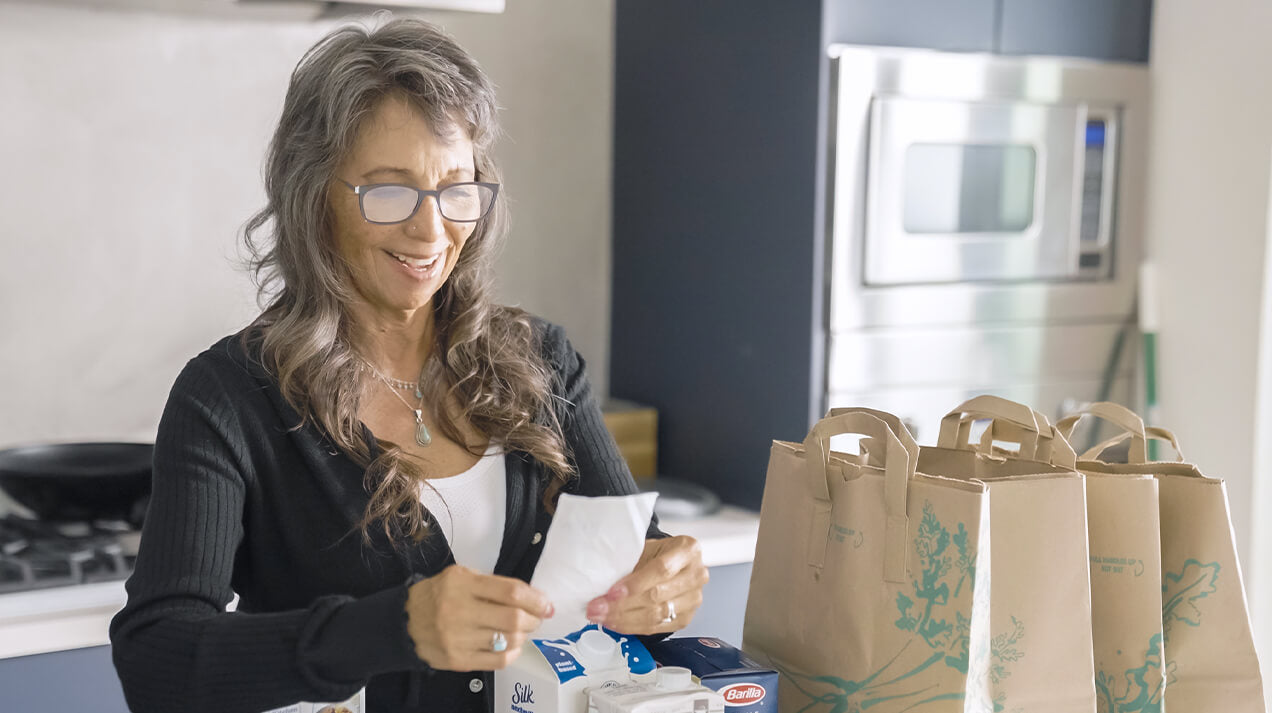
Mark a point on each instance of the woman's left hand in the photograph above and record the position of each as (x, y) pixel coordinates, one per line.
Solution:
(661, 594)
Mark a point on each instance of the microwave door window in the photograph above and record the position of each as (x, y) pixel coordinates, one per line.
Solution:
(964, 189)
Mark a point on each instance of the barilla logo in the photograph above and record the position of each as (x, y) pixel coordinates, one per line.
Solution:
(742, 694)
(709, 643)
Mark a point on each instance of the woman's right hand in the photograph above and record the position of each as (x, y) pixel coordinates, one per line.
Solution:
(452, 617)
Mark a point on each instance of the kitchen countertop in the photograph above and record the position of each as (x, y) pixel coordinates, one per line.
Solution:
(62, 618)
(58, 618)
(726, 536)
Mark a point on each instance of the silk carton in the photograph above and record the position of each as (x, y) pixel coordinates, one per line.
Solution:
(553, 675)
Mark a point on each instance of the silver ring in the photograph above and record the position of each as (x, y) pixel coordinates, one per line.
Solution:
(498, 642)
(671, 612)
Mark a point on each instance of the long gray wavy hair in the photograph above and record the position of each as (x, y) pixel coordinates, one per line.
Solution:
(485, 356)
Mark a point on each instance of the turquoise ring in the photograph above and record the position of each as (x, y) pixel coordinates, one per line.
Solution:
(498, 642)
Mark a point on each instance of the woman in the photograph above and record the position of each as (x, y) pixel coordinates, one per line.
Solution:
(379, 527)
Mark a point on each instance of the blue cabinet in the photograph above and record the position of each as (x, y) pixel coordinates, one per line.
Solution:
(62, 682)
(951, 25)
(1099, 29)
(715, 153)
(723, 605)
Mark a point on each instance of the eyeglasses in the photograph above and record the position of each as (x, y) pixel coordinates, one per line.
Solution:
(388, 203)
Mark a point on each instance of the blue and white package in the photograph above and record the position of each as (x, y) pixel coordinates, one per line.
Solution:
(552, 675)
(747, 687)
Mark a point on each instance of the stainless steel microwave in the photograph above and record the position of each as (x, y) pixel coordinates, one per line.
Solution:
(981, 168)
(984, 227)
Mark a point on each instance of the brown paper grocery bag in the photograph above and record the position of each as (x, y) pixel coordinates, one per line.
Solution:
(870, 588)
(1210, 661)
(1123, 533)
(1041, 650)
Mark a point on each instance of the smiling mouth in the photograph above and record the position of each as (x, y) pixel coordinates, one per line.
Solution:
(415, 262)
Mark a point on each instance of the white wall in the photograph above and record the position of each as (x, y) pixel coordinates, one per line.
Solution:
(553, 62)
(1260, 576)
(1207, 227)
(132, 146)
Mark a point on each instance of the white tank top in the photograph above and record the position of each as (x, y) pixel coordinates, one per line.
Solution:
(469, 507)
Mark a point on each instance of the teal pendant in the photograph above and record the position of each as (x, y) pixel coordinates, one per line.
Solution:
(422, 436)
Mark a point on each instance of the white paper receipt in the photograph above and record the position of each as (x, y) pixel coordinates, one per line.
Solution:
(591, 544)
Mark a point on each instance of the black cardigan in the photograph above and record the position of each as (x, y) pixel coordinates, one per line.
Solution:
(244, 502)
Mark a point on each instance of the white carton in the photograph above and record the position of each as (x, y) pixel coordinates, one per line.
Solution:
(671, 691)
(552, 675)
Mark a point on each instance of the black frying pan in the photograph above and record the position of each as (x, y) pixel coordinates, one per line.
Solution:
(79, 481)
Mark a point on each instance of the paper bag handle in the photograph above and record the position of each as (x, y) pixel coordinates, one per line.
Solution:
(1131, 424)
(1160, 434)
(956, 426)
(1150, 433)
(899, 460)
(894, 423)
(1052, 448)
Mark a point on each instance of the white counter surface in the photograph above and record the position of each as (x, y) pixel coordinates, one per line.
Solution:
(58, 618)
(727, 536)
(63, 618)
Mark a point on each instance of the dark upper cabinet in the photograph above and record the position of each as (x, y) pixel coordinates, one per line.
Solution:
(1099, 29)
(951, 25)
(716, 113)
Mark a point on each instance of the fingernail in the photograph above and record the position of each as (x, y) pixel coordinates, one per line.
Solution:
(597, 610)
(616, 592)
(549, 611)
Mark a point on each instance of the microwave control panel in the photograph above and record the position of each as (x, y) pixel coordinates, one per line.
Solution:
(1095, 215)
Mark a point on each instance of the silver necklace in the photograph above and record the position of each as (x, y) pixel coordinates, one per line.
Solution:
(395, 383)
(422, 436)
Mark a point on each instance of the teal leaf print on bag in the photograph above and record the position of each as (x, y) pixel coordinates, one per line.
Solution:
(1144, 685)
(935, 645)
(962, 642)
(966, 564)
(930, 544)
(1105, 701)
(907, 622)
(1003, 650)
(1181, 593)
(875, 689)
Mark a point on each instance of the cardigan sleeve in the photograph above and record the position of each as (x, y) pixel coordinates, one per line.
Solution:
(174, 645)
(601, 468)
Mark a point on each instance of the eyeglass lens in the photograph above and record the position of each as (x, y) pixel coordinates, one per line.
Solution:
(464, 202)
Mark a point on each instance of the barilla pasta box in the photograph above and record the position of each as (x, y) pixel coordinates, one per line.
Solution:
(356, 704)
(553, 675)
(747, 687)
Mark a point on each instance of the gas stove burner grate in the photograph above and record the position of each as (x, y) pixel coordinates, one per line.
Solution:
(38, 555)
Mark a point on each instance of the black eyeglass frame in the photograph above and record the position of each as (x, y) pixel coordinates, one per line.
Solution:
(361, 192)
